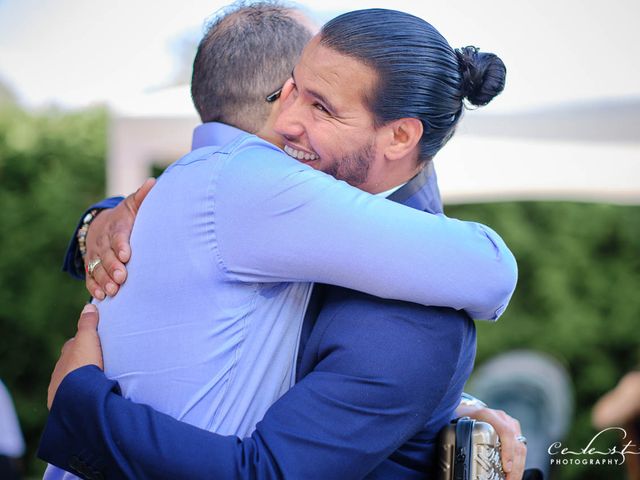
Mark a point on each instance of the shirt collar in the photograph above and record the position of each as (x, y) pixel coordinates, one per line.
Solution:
(386, 193)
(213, 133)
(421, 192)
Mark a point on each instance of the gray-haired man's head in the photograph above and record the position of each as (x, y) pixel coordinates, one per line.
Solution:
(246, 53)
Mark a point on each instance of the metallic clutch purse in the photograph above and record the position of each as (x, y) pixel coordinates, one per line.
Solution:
(469, 450)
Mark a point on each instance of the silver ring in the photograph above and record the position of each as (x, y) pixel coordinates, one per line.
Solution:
(91, 266)
(521, 438)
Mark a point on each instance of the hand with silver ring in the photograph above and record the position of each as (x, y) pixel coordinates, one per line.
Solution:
(91, 266)
(514, 445)
(108, 239)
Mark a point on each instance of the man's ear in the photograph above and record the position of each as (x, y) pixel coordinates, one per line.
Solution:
(287, 88)
(402, 137)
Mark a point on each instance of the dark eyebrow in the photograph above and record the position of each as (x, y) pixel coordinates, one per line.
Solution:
(316, 95)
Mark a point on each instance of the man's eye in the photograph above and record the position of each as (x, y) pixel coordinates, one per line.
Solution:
(320, 107)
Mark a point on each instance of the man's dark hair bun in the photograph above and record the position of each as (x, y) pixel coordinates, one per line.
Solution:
(483, 75)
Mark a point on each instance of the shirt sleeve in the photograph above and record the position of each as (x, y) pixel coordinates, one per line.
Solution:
(73, 263)
(342, 420)
(279, 220)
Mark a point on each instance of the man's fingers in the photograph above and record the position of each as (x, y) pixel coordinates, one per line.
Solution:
(112, 266)
(119, 242)
(518, 464)
(514, 452)
(88, 321)
(93, 288)
(110, 272)
(104, 281)
(507, 429)
(520, 456)
(507, 449)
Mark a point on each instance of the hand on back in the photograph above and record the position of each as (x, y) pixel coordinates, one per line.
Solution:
(108, 240)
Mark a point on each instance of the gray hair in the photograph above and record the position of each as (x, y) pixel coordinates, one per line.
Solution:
(247, 52)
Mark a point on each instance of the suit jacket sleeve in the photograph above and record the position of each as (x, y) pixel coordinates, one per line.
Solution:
(73, 263)
(344, 418)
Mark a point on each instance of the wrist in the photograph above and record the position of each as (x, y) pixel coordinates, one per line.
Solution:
(81, 235)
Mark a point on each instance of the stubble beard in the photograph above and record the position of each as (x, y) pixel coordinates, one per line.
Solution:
(353, 167)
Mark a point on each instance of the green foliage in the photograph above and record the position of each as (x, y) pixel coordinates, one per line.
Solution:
(577, 298)
(51, 168)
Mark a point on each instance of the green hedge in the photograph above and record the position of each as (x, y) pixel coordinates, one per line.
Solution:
(577, 296)
(577, 299)
(51, 168)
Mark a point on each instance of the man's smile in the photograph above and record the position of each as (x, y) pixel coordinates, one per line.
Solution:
(300, 154)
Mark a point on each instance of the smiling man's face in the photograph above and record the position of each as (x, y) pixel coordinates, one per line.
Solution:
(323, 117)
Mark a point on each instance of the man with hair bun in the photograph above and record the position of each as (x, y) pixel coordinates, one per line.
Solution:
(376, 379)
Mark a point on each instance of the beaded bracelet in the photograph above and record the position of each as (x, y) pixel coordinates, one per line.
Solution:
(81, 236)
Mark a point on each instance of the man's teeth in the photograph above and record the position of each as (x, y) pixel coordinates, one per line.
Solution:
(299, 154)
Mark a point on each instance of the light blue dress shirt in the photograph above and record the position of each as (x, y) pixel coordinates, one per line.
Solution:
(224, 250)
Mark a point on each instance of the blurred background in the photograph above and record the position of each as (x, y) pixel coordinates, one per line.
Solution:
(94, 97)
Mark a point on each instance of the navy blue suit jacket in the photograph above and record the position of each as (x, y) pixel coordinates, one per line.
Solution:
(377, 380)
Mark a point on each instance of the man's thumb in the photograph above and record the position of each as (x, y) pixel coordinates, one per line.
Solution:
(141, 193)
(88, 319)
